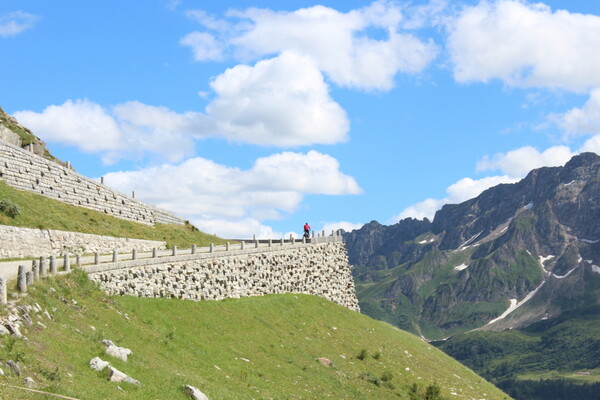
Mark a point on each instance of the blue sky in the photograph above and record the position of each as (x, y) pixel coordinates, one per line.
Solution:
(257, 116)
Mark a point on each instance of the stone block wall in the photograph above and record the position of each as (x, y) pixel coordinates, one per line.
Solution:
(25, 242)
(26, 171)
(316, 269)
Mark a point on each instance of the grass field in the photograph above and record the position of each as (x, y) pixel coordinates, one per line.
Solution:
(251, 348)
(36, 211)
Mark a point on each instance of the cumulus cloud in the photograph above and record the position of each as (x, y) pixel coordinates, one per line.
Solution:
(339, 43)
(282, 101)
(13, 23)
(462, 190)
(125, 130)
(517, 163)
(278, 102)
(209, 193)
(243, 229)
(525, 45)
(204, 45)
(581, 121)
(334, 226)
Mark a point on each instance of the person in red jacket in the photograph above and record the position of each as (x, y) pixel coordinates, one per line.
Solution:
(306, 230)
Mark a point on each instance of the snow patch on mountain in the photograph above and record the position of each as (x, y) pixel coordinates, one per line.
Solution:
(564, 276)
(461, 267)
(514, 304)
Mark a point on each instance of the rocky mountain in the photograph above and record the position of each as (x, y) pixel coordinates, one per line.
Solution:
(515, 255)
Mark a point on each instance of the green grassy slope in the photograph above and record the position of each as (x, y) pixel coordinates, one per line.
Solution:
(251, 348)
(551, 351)
(36, 211)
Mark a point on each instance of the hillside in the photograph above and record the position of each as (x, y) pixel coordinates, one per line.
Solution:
(36, 211)
(264, 347)
(519, 256)
(17, 134)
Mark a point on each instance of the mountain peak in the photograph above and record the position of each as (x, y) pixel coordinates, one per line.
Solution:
(583, 160)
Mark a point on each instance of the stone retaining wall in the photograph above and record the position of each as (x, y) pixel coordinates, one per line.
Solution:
(317, 269)
(26, 171)
(25, 242)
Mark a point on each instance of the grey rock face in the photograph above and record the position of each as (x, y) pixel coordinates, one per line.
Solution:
(539, 237)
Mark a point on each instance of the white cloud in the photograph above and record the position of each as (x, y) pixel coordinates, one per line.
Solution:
(517, 163)
(420, 210)
(462, 190)
(244, 229)
(581, 121)
(282, 101)
(339, 43)
(202, 190)
(13, 23)
(78, 123)
(468, 188)
(592, 144)
(334, 226)
(204, 45)
(526, 45)
(127, 130)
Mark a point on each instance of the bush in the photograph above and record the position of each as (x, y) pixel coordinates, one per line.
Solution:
(387, 376)
(9, 208)
(371, 378)
(362, 355)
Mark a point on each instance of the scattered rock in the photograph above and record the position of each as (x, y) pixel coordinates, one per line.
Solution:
(195, 393)
(13, 329)
(325, 361)
(116, 351)
(118, 376)
(97, 364)
(28, 382)
(47, 315)
(14, 366)
(4, 331)
(1, 372)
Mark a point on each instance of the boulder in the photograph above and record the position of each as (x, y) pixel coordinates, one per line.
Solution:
(118, 376)
(325, 361)
(97, 364)
(28, 382)
(14, 366)
(195, 393)
(116, 351)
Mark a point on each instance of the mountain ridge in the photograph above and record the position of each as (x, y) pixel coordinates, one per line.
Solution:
(506, 243)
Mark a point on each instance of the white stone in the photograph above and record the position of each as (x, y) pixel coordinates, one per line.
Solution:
(195, 393)
(116, 351)
(98, 364)
(118, 376)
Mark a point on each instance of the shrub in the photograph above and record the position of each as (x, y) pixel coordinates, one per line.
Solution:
(9, 208)
(371, 378)
(387, 376)
(362, 355)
